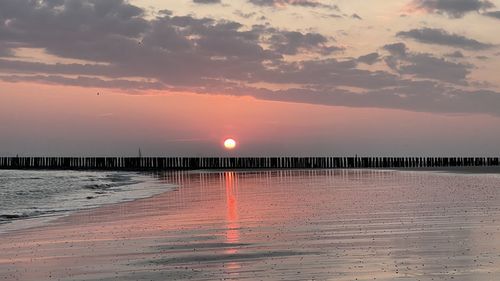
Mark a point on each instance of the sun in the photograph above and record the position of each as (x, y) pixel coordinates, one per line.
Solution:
(229, 144)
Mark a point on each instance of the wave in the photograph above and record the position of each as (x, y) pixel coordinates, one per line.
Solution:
(32, 194)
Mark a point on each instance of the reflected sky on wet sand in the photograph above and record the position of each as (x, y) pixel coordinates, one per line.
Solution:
(281, 225)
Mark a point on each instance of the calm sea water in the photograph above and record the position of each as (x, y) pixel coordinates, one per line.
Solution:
(28, 194)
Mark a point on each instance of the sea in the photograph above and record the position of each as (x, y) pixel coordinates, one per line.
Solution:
(49, 194)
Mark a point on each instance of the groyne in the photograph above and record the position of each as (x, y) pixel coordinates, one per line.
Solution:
(208, 163)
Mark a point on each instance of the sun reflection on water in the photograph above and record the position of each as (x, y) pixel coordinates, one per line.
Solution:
(232, 217)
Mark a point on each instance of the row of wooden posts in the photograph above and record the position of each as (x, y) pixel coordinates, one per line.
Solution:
(193, 163)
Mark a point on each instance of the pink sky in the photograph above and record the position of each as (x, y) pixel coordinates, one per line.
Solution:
(55, 120)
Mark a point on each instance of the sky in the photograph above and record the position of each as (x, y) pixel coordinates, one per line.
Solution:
(282, 77)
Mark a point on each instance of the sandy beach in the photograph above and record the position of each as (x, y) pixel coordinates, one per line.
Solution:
(276, 225)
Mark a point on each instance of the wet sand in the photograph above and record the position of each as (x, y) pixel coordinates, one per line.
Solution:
(276, 225)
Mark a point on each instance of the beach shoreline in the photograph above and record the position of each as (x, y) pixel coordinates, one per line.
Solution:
(120, 187)
(263, 225)
(148, 179)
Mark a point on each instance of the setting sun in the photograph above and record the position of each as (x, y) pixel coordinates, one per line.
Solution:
(229, 144)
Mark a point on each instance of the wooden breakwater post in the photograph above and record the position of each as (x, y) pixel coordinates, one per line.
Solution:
(207, 163)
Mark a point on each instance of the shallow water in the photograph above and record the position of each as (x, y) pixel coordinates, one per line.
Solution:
(278, 225)
(31, 194)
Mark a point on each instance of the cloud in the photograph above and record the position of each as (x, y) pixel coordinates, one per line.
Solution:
(124, 48)
(493, 14)
(82, 81)
(174, 50)
(325, 74)
(369, 58)
(300, 3)
(292, 42)
(427, 66)
(5, 51)
(441, 37)
(456, 54)
(422, 65)
(245, 15)
(206, 1)
(356, 16)
(421, 96)
(69, 28)
(451, 8)
(396, 49)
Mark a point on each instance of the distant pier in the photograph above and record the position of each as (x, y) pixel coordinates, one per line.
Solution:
(208, 163)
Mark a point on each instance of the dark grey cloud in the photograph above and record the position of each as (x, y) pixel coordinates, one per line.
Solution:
(82, 81)
(125, 49)
(396, 49)
(5, 51)
(171, 49)
(493, 14)
(421, 96)
(427, 66)
(325, 74)
(68, 28)
(455, 54)
(453, 8)
(369, 58)
(292, 42)
(206, 1)
(442, 37)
